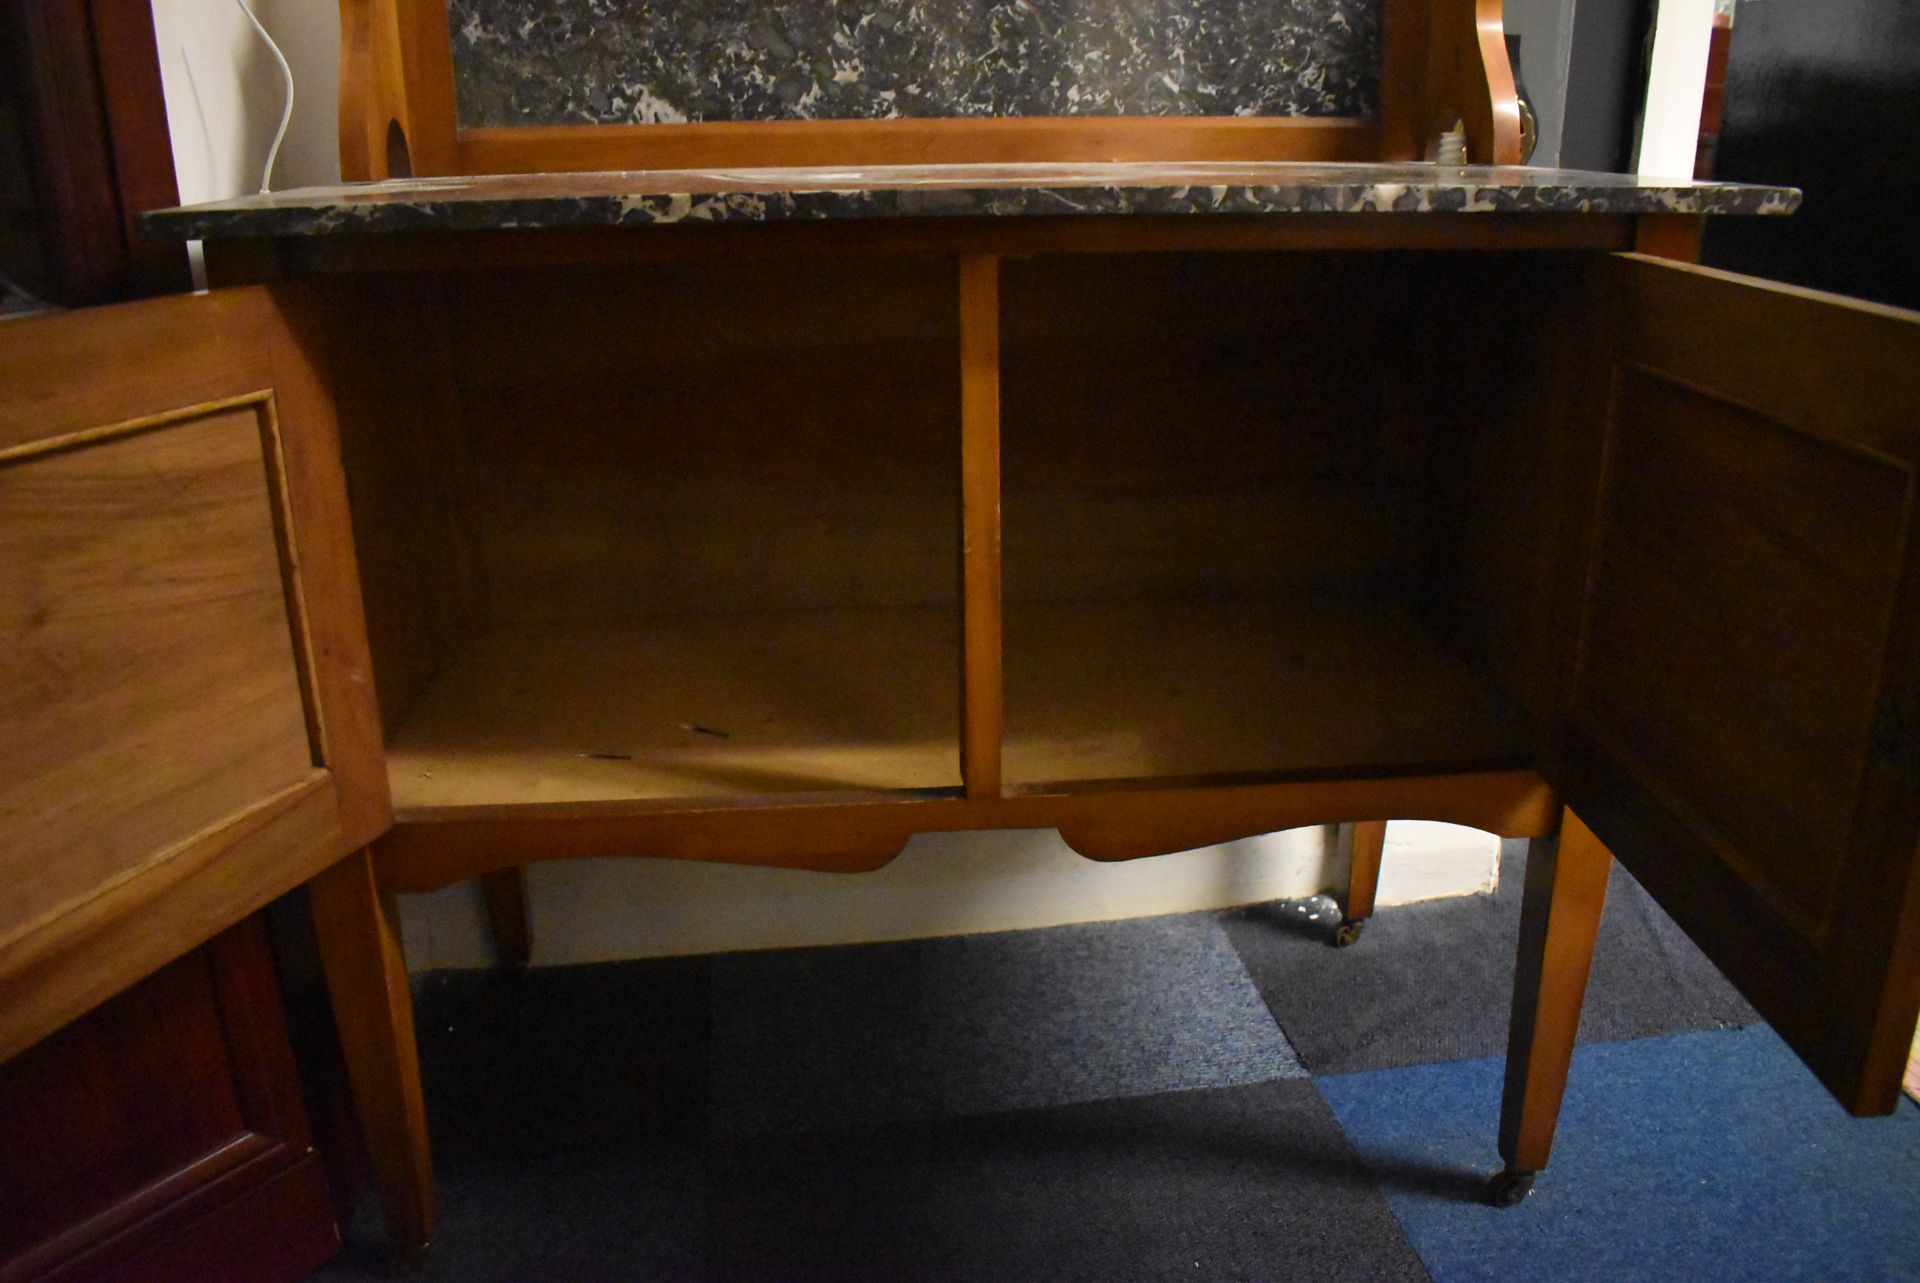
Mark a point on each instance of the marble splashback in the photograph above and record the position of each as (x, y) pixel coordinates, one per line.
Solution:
(569, 62)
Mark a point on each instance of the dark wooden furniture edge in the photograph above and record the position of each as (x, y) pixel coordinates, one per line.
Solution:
(236, 1240)
(238, 261)
(214, 1212)
(89, 74)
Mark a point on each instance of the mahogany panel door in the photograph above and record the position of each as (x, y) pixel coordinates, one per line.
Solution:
(187, 725)
(1741, 721)
(161, 1137)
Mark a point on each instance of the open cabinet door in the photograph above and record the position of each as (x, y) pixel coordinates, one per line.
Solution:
(187, 723)
(1742, 726)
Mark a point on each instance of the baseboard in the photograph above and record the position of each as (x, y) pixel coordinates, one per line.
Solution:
(1426, 860)
(943, 884)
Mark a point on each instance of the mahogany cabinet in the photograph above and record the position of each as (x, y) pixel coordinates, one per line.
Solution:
(162, 1136)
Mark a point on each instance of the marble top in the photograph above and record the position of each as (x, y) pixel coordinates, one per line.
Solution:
(650, 197)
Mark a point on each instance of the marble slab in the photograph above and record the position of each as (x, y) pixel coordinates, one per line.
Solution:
(573, 62)
(660, 197)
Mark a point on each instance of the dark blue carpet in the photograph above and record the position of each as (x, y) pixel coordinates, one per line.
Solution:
(1434, 981)
(1694, 1156)
(1114, 1102)
(925, 1029)
(1252, 1183)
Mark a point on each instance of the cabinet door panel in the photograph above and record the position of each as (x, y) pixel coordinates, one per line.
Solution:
(1743, 724)
(153, 689)
(182, 676)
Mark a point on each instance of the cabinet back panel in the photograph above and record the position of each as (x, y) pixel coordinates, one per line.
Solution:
(1180, 424)
(153, 689)
(661, 442)
(1207, 507)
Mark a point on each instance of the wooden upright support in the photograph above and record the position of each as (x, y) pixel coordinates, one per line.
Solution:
(980, 669)
(1566, 889)
(358, 930)
(1672, 236)
(1363, 879)
(505, 891)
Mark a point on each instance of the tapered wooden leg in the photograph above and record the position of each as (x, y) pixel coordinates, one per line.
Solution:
(359, 936)
(1566, 889)
(506, 893)
(1363, 879)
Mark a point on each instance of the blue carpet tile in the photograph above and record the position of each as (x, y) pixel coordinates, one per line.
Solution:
(816, 1038)
(1695, 1156)
(1246, 1183)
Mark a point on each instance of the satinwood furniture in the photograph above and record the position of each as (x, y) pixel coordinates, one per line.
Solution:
(777, 516)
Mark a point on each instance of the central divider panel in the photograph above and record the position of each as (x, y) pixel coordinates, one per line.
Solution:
(982, 680)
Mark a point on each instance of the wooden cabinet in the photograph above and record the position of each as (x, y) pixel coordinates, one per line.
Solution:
(1738, 720)
(187, 726)
(784, 559)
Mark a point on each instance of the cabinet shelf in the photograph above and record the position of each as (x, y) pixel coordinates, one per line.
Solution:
(1184, 689)
(734, 706)
(703, 706)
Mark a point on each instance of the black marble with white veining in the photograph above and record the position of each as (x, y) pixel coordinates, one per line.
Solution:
(656, 197)
(570, 62)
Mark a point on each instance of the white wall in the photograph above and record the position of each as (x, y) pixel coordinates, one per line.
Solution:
(1676, 89)
(943, 884)
(224, 93)
(224, 100)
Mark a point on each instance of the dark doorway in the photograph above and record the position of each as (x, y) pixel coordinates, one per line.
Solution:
(1826, 97)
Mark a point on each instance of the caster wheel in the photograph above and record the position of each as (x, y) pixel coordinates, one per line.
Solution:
(1348, 933)
(1510, 1189)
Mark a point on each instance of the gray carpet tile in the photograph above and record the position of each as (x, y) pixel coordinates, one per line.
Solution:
(812, 1038)
(1249, 1182)
(582, 1060)
(636, 1219)
(1433, 981)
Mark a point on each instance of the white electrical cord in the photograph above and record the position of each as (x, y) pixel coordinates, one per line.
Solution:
(286, 116)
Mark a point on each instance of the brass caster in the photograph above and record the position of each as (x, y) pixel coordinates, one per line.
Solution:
(1510, 1189)
(1348, 933)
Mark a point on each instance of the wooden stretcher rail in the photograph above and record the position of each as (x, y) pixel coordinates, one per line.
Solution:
(426, 851)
